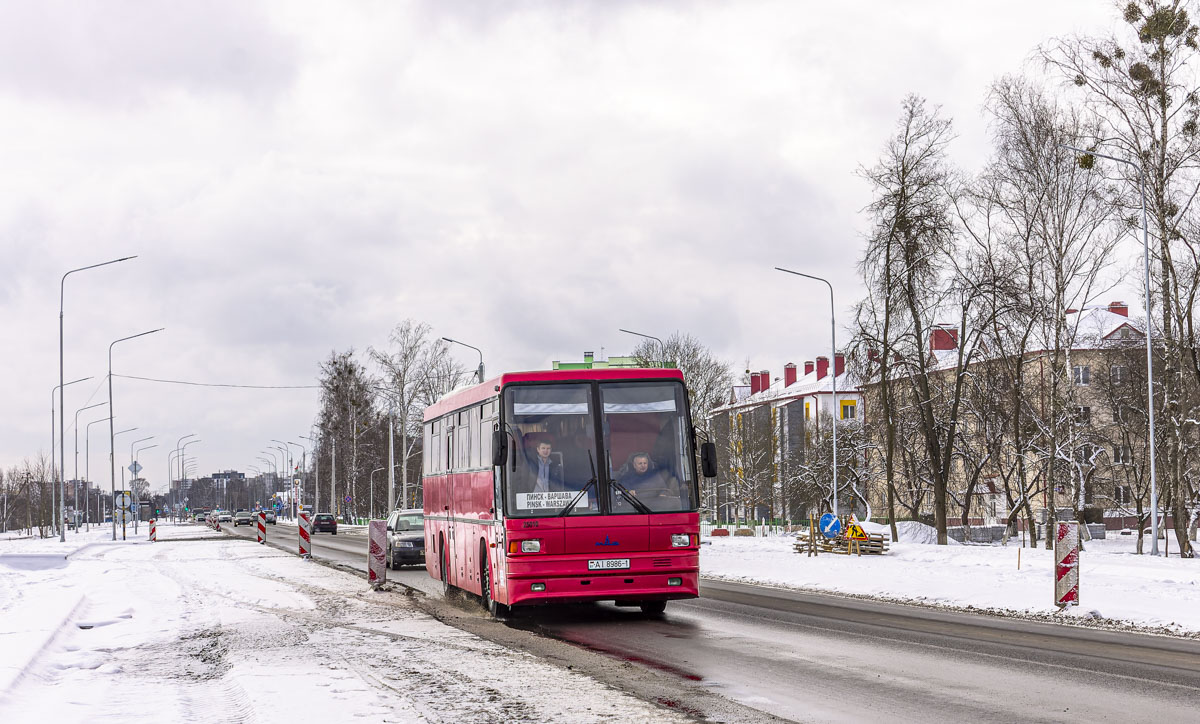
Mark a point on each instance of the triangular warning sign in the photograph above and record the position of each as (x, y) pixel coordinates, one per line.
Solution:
(855, 532)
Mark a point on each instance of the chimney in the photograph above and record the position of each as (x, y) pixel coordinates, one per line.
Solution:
(754, 388)
(1120, 308)
(822, 367)
(764, 380)
(808, 368)
(943, 337)
(789, 374)
(839, 365)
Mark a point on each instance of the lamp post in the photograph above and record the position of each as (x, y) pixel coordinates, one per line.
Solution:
(478, 372)
(87, 459)
(833, 377)
(183, 457)
(316, 471)
(112, 457)
(112, 461)
(175, 453)
(62, 291)
(53, 492)
(662, 346)
(64, 487)
(285, 465)
(133, 462)
(1149, 343)
(303, 472)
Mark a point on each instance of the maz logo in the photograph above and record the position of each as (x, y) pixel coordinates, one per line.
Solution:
(607, 542)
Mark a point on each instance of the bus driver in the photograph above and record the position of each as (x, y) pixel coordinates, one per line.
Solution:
(545, 474)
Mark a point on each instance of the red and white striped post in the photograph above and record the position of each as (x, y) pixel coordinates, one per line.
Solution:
(262, 526)
(1066, 564)
(153, 531)
(305, 536)
(376, 540)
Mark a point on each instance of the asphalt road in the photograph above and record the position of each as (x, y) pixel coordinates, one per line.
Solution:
(812, 657)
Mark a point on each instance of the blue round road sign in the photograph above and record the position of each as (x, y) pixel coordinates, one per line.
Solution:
(830, 525)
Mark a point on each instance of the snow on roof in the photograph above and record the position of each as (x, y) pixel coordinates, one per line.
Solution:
(806, 385)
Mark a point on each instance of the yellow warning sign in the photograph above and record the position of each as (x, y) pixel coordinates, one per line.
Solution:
(855, 532)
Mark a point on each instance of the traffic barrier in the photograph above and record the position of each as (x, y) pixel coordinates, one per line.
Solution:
(153, 531)
(377, 539)
(262, 527)
(1066, 564)
(305, 536)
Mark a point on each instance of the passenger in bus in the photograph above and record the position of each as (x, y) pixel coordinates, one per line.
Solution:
(644, 479)
(545, 474)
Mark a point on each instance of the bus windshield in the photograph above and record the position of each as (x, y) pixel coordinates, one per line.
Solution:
(649, 460)
(551, 429)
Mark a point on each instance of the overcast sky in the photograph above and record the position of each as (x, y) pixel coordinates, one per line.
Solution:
(528, 177)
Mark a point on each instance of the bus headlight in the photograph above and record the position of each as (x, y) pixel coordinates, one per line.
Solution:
(531, 546)
(674, 581)
(681, 540)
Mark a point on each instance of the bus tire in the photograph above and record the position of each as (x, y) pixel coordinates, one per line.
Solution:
(653, 608)
(494, 609)
(445, 566)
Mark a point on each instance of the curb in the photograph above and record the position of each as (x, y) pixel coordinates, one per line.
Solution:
(20, 659)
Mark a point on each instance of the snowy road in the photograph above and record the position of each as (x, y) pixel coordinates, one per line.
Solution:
(807, 656)
(220, 630)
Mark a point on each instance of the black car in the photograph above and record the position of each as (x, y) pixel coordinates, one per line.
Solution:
(406, 538)
(324, 523)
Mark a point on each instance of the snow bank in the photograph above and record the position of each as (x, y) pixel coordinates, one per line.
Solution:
(1120, 586)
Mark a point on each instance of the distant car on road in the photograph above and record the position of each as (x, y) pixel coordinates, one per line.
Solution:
(406, 538)
(243, 517)
(270, 516)
(224, 517)
(325, 523)
(199, 518)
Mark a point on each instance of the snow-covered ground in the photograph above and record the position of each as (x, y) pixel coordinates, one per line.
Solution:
(1114, 583)
(203, 628)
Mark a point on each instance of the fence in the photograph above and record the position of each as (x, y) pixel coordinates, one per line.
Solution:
(758, 531)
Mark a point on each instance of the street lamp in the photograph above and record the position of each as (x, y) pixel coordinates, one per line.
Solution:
(134, 464)
(303, 472)
(87, 460)
(64, 486)
(656, 339)
(54, 492)
(833, 377)
(62, 290)
(1149, 344)
(478, 372)
(316, 471)
(112, 461)
(112, 457)
(175, 453)
(183, 456)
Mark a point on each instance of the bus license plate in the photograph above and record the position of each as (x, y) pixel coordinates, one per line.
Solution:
(608, 564)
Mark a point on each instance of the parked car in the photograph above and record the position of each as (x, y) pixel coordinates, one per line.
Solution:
(406, 538)
(325, 523)
(270, 516)
(243, 517)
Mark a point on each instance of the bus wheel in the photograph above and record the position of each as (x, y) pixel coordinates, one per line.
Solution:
(445, 570)
(653, 608)
(496, 610)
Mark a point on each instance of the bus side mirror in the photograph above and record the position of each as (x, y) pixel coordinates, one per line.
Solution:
(499, 448)
(708, 459)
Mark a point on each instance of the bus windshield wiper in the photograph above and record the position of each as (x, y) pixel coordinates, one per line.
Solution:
(571, 506)
(631, 498)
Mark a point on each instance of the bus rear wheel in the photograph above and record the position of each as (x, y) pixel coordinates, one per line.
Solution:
(653, 608)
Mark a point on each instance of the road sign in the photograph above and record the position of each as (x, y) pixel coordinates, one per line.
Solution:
(135, 467)
(830, 525)
(124, 500)
(855, 532)
(348, 498)
(123, 516)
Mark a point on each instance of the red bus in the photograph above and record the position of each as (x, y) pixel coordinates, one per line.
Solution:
(565, 486)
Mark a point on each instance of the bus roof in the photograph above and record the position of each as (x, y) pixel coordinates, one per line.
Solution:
(478, 393)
